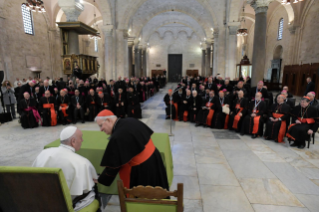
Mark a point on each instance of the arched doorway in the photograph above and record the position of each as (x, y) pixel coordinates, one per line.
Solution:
(276, 64)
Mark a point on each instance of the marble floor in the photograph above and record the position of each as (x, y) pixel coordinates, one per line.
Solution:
(221, 171)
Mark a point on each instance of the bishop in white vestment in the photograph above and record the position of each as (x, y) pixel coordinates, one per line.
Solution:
(79, 173)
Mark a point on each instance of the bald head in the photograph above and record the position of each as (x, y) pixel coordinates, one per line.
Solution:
(47, 94)
(280, 99)
(258, 96)
(26, 95)
(194, 93)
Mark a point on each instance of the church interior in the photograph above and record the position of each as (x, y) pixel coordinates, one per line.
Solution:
(155, 47)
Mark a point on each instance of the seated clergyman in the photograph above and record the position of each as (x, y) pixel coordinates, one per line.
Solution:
(304, 123)
(79, 173)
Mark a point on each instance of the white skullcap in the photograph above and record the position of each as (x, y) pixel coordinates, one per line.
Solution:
(67, 132)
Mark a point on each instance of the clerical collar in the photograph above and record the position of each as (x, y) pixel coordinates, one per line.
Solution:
(67, 147)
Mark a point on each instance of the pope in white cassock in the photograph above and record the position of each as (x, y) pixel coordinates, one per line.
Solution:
(79, 173)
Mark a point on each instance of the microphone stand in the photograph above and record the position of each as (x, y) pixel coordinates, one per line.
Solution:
(171, 111)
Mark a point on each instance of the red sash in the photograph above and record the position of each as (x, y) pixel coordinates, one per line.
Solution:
(237, 117)
(282, 130)
(210, 117)
(125, 171)
(53, 114)
(176, 112)
(104, 104)
(256, 123)
(92, 103)
(185, 116)
(64, 106)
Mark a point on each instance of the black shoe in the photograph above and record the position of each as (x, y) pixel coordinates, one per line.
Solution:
(301, 147)
(74, 122)
(205, 125)
(242, 134)
(254, 136)
(293, 145)
(83, 122)
(167, 117)
(267, 138)
(198, 124)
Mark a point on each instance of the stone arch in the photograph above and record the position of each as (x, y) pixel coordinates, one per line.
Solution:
(236, 7)
(277, 53)
(183, 9)
(123, 24)
(201, 35)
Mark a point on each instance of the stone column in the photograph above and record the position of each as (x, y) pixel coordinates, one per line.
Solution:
(203, 63)
(207, 61)
(293, 46)
(121, 54)
(231, 56)
(141, 60)
(109, 55)
(137, 62)
(215, 58)
(259, 47)
(144, 62)
(130, 58)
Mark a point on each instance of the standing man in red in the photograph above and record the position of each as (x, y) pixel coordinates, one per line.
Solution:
(130, 152)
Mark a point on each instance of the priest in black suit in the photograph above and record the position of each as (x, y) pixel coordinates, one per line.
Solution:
(78, 103)
(310, 86)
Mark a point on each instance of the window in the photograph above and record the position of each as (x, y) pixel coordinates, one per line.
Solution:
(96, 49)
(27, 20)
(280, 28)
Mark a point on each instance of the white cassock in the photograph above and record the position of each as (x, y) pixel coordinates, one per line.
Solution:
(78, 171)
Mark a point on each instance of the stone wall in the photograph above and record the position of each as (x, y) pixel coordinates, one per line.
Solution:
(179, 43)
(20, 47)
(309, 45)
(272, 42)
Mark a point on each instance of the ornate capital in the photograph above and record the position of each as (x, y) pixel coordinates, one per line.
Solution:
(260, 6)
(107, 30)
(233, 30)
(73, 11)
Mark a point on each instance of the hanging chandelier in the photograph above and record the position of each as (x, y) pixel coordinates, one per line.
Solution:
(287, 2)
(33, 5)
(97, 36)
(243, 31)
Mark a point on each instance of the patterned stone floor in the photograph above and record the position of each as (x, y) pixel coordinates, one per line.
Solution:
(221, 171)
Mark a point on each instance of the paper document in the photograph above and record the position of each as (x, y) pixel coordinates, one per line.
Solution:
(226, 109)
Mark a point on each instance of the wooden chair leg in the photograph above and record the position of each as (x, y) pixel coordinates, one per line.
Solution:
(313, 138)
(309, 143)
(120, 188)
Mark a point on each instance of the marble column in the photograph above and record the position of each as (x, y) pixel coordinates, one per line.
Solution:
(121, 49)
(130, 59)
(137, 62)
(259, 47)
(145, 62)
(215, 53)
(207, 61)
(203, 63)
(231, 52)
(109, 52)
(142, 62)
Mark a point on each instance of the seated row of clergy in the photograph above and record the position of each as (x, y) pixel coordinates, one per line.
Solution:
(143, 90)
(67, 109)
(242, 116)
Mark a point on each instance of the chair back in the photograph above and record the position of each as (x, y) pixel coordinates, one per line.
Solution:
(33, 189)
(150, 198)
